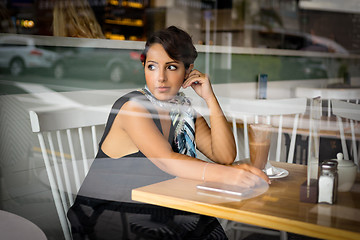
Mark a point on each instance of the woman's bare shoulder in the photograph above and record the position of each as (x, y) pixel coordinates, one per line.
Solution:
(135, 105)
(134, 110)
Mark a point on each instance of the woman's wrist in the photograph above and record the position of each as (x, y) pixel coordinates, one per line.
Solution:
(211, 100)
(204, 172)
(214, 107)
(214, 172)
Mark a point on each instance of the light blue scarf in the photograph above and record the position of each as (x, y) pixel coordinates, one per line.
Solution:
(182, 118)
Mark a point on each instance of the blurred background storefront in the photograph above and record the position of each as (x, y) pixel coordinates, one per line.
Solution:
(86, 52)
(285, 39)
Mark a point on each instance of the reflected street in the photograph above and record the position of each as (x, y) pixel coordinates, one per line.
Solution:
(10, 84)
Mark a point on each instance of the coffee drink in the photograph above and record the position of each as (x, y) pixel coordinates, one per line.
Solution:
(259, 144)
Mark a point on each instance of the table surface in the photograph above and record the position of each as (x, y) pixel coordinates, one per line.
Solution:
(279, 208)
(13, 226)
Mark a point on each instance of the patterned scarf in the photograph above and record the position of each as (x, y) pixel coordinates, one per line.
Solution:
(182, 118)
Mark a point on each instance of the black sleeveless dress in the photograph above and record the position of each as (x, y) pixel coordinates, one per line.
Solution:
(103, 208)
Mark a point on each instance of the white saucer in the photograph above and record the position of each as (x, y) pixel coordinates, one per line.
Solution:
(279, 173)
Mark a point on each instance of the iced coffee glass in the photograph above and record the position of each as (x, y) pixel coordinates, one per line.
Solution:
(259, 144)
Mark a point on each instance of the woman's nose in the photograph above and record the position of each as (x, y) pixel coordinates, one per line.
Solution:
(162, 75)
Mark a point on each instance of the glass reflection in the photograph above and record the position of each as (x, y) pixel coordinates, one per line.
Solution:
(19, 53)
(312, 44)
(75, 19)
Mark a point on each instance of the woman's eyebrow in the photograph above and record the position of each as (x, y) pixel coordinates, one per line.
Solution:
(152, 61)
(172, 62)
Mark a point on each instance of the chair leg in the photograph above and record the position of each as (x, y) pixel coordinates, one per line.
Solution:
(283, 235)
(125, 225)
(223, 223)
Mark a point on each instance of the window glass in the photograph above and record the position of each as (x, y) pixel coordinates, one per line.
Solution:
(286, 39)
(74, 53)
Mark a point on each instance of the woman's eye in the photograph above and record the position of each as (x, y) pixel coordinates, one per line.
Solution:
(151, 67)
(172, 67)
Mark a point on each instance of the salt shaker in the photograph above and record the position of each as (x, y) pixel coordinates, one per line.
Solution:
(328, 182)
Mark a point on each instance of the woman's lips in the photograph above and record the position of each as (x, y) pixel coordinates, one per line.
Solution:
(163, 89)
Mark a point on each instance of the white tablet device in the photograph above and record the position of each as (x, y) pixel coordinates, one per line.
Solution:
(224, 188)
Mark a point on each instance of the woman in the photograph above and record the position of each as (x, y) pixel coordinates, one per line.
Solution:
(152, 135)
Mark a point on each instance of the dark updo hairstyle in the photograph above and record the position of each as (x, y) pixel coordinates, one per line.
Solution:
(177, 44)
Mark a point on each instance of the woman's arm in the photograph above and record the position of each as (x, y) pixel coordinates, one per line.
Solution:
(137, 122)
(217, 142)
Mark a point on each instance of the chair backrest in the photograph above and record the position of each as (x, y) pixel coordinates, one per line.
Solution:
(351, 112)
(67, 136)
(280, 113)
(327, 94)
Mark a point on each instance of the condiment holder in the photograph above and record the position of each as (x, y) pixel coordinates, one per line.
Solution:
(346, 173)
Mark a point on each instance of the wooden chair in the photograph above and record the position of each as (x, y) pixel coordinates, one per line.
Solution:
(350, 111)
(280, 113)
(64, 136)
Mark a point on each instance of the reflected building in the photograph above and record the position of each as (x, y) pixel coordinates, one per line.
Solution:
(280, 24)
(125, 20)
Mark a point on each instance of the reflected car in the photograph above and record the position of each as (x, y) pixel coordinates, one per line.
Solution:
(116, 65)
(307, 67)
(18, 54)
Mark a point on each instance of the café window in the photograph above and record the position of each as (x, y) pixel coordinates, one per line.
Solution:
(285, 39)
(54, 51)
(279, 24)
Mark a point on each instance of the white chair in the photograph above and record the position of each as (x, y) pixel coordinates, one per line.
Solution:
(64, 138)
(280, 113)
(327, 94)
(351, 112)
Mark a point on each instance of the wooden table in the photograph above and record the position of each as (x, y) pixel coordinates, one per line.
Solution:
(279, 208)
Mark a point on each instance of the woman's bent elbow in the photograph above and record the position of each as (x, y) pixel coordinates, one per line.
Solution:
(226, 158)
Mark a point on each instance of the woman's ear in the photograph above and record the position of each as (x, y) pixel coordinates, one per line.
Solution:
(188, 71)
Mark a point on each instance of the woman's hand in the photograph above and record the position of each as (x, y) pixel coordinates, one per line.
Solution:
(243, 175)
(253, 170)
(200, 82)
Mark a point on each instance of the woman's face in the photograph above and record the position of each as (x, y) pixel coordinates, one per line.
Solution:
(164, 75)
